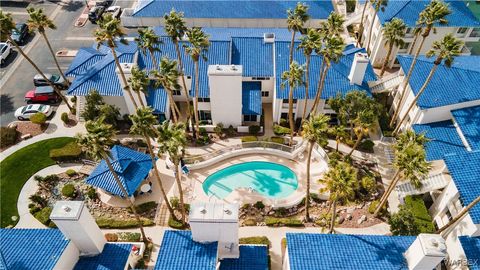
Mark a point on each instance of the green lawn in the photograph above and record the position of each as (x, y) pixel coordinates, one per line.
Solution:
(16, 169)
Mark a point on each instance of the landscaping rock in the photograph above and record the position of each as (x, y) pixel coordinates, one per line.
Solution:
(363, 217)
(26, 136)
(341, 220)
(271, 212)
(359, 221)
(350, 210)
(349, 217)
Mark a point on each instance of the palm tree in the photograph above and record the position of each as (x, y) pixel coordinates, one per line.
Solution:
(96, 143)
(38, 21)
(393, 32)
(148, 42)
(377, 5)
(333, 25)
(167, 76)
(310, 42)
(294, 77)
(360, 28)
(410, 162)
(416, 32)
(459, 215)
(172, 141)
(143, 122)
(198, 47)
(296, 20)
(341, 182)
(139, 81)
(434, 13)
(176, 28)
(7, 25)
(445, 51)
(314, 130)
(331, 52)
(365, 120)
(340, 133)
(108, 31)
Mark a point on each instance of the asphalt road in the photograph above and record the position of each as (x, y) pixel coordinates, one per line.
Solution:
(17, 74)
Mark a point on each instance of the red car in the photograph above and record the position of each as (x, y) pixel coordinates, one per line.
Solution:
(42, 94)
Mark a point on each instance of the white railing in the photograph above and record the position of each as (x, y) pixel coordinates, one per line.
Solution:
(386, 83)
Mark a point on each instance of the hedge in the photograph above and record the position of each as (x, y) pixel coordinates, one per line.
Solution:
(38, 118)
(289, 222)
(249, 139)
(423, 219)
(68, 191)
(278, 140)
(175, 224)
(8, 136)
(144, 207)
(111, 223)
(279, 130)
(44, 217)
(71, 151)
(255, 240)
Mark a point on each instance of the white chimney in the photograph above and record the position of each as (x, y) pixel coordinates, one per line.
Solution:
(426, 252)
(216, 222)
(268, 37)
(359, 67)
(77, 224)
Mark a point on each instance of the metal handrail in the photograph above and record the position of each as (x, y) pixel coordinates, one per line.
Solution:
(245, 145)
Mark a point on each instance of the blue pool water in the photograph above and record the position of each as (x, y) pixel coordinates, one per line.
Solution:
(269, 179)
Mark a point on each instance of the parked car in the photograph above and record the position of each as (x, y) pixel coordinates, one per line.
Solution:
(104, 3)
(41, 94)
(25, 112)
(95, 13)
(20, 33)
(5, 49)
(114, 10)
(56, 79)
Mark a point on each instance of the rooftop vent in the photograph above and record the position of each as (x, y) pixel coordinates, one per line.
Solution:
(233, 67)
(218, 67)
(268, 37)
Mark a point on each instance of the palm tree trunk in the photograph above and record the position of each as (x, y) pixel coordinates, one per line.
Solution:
(44, 35)
(397, 174)
(172, 106)
(184, 84)
(323, 75)
(307, 67)
(459, 216)
(307, 197)
(425, 84)
(154, 60)
(336, 146)
(292, 44)
(180, 192)
(197, 84)
(371, 27)
(140, 98)
(387, 59)
(387, 193)
(125, 193)
(124, 79)
(413, 43)
(290, 113)
(334, 215)
(157, 175)
(360, 28)
(59, 93)
(405, 81)
(359, 139)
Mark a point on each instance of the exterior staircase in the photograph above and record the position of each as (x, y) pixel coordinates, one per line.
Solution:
(432, 182)
(386, 84)
(80, 108)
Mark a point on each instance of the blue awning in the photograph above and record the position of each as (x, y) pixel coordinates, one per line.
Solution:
(251, 98)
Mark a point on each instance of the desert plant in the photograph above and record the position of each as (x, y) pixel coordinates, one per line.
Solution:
(8, 136)
(218, 129)
(38, 118)
(65, 118)
(254, 130)
(69, 191)
(259, 205)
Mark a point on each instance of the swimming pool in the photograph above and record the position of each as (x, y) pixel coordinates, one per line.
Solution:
(269, 179)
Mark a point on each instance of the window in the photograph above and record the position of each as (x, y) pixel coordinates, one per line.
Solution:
(405, 46)
(409, 30)
(284, 116)
(250, 118)
(205, 115)
(189, 77)
(285, 101)
(203, 99)
(260, 78)
(265, 93)
(449, 215)
(176, 92)
(462, 30)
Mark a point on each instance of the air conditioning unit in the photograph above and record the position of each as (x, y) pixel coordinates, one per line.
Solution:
(268, 37)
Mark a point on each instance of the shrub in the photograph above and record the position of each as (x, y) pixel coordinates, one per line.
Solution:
(65, 118)
(34, 209)
(202, 131)
(73, 111)
(284, 123)
(255, 240)
(218, 129)
(373, 206)
(129, 237)
(92, 193)
(369, 184)
(250, 222)
(249, 139)
(44, 216)
(111, 237)
(111, 113)
(259, 205)
(315, 198)
(403, 222)
(289, 222)
(254, 130)
(366, 146)
(39, 200)
(69, 191)
(111, 223)
(281, 211)
(203, 122)
(92, 101)
(71, 151)
(278, 140)
(280, 131)
(422, 218)
(144, 207)
(71, 172)
(175, 224)
(174, 202)
(231, 131)
(141, 264)
(8, 136)
(38, 118)
(73, 99)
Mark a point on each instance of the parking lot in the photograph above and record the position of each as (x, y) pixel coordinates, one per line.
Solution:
(17, 74)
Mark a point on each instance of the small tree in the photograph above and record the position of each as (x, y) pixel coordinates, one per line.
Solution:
(403, 222)
(92, 100)
(65, 118)
(38, 118)
(110, 112)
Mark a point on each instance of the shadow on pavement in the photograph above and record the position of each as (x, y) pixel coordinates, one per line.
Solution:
(6, 104)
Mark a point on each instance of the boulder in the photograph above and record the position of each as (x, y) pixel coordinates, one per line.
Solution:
(350, 210)
(340, 220)
(363, 217)
(349, 217)
(359, 221)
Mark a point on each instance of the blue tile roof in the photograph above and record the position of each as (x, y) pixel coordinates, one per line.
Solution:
(31, 248)
(468, 119)
(157, 99)
(408, 11)
(113, 256)
(254, 55)
(441, 91)
(179, 251)
(471, 247)
(444, 139)
(465, 169)
(227, 33)
(336, 82)
(327, 251)
(83, 61)
(239, 9)
(132, 168)
(251, 98)
(251, 258)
